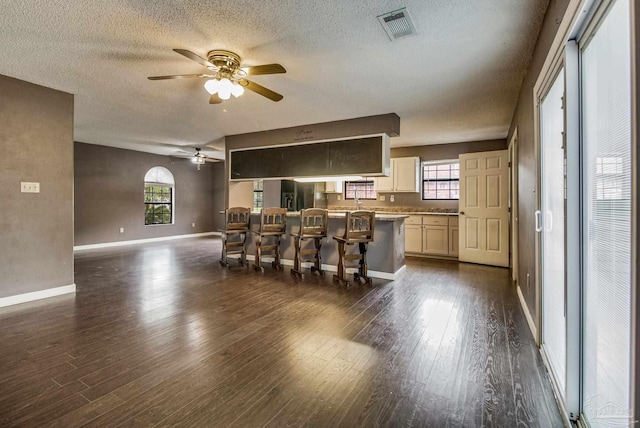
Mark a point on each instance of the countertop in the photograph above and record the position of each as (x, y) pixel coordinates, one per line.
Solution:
(340, 214)
(403, 210)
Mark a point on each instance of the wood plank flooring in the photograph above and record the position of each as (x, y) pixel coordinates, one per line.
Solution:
(160, 334)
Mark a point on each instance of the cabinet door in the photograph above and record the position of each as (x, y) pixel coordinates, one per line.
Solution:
(333, 187)
(385, 184)
(413, 238)
(453, 241)
(406, 174)
(435, 240)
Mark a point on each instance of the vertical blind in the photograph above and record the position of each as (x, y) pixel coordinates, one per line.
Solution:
(606, 97)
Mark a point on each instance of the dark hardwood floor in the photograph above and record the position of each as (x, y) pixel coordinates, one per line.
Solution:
(161, 334)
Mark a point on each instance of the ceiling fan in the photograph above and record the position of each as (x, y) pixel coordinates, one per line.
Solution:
(200, 158)
(226, 76)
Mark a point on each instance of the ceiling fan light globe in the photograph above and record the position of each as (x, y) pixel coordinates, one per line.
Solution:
(225, 83)
(237, 90)
(224, 93)
(212, 86)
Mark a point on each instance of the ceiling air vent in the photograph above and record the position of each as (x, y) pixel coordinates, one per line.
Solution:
(397, 24)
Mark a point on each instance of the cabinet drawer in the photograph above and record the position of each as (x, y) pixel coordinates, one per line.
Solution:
(414, 219)
(453, 220)
(439, 220)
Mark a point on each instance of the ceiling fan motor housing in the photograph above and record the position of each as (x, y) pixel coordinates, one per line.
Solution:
(227, 61)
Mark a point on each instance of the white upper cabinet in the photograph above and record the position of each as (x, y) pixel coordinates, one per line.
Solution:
(404, 176)
(333, 186)
(385, 184)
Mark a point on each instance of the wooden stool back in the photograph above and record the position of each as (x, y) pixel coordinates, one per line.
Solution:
(359, 226)
(359, 229)
(236, 224)
(273, 224)
(313, 225)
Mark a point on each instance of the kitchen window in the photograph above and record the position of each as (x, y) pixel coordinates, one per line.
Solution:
(158, 196)
(364, 189)
(258, 195)
(441, 180)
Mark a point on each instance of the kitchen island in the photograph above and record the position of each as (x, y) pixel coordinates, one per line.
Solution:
(385, 255)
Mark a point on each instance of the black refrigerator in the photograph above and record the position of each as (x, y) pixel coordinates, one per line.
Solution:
(296, 196)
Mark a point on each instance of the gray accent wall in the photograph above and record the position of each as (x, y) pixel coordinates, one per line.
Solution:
(219, 195)
(36, 229)
(523, 120)
(109, 195)
(425, 153)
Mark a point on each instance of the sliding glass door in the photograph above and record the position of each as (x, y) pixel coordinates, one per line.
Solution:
(606, 222)
(551, 227)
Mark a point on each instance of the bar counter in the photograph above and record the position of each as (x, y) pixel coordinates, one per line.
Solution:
(385, 255)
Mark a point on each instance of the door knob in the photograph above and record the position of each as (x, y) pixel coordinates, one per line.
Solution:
(461, 212)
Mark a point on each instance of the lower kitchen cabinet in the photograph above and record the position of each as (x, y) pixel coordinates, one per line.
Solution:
(413, 238)
(454, 236)
(435, 240)
(435, 235)
(453, 241)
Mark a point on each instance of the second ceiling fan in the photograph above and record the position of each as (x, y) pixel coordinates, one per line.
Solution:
(227, 77)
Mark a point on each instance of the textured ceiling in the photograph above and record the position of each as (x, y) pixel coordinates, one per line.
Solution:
(457, 80)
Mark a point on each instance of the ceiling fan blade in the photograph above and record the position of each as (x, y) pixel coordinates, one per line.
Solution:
(180, 76)
(197, 58)
(264, 69)
(215, 99)
(259, 89)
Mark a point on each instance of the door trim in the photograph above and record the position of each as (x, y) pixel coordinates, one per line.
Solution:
(513, 215)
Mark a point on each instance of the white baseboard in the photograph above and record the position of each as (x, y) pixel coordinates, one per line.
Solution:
(36, 295)
(334, 268)
(142, 241)
(527, 314)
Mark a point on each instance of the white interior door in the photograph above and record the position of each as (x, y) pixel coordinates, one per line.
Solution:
(484, 210)
(552, 256)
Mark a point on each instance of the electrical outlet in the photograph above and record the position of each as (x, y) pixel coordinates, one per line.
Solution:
(392, 198)
(383, 197)
(122, 230)
(29, 187)
(193, 225)
(339, 197)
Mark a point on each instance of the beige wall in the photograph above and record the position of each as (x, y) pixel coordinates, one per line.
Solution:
(36, 230)
(425, 153)
(527, 165)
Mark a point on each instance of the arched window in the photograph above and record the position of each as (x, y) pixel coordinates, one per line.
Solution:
(158, 196)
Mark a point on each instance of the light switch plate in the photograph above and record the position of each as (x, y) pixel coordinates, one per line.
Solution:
(29, 187)
(383, 197)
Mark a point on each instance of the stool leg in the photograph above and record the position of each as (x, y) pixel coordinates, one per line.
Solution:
(318, 257)
(256, 264)
(296, 261)
(276, 263)
(223, 256)
(243, 255)
(339, 277)
(362, 268)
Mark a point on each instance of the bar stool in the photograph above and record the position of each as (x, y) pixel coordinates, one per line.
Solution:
(359, 226)
(273, 224)
(313, 225)
(236, 225)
